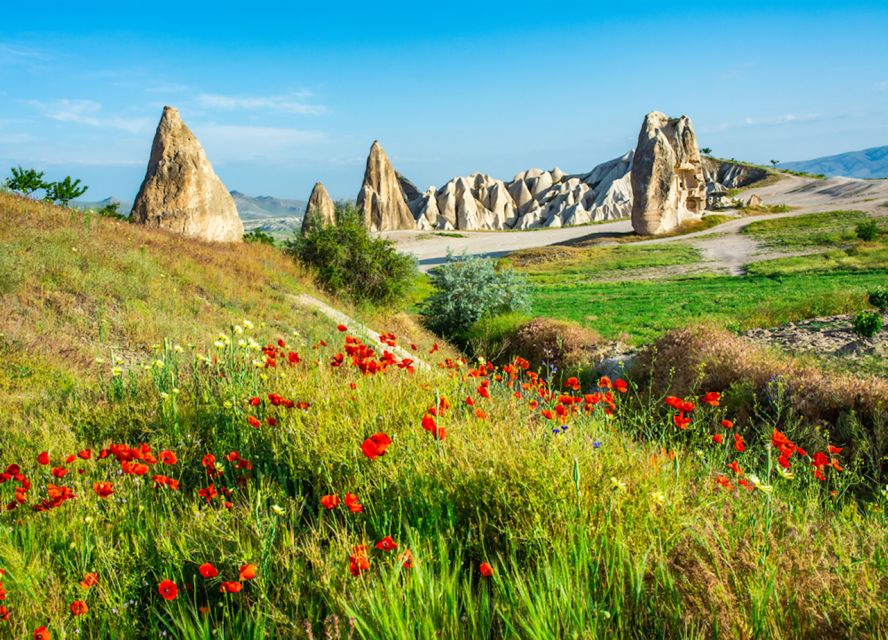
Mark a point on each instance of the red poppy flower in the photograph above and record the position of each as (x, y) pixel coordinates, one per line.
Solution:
(230, 587)
(353, 503)
(254, 422)
(783, 461)
(727, 424)
(209, 461)
(89, 580)
(85, 454)
(681, 421)
(387, 544)
(621, 385)
(42, 633)
(78, 608)
(4, 614)
(59, 472)
(484, 392)
(103, 489)
(717, 438)
(167, 457)
(428, 423)
(207, 570)
(735, 467)
(711, 398)
(834, 450)
(341, 327)
(43, 458)
(739, 443)
(572, 383)
(481, 415)
(248, 571)
(168, 590)
(407, 559)
(485, 569)
(723, 481)
(329, 502)
(375, 445)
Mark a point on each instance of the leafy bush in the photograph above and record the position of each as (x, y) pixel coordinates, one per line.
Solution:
(112, 210)
(25, 181)
(878, 297)
(63, 192)
(259, 237)
(867, 231)
(468, 289)
(347, 261)
(867, 323)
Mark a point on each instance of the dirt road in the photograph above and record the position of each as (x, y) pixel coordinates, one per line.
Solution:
(724, 246)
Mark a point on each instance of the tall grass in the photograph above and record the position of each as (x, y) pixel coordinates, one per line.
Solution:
(613, 526)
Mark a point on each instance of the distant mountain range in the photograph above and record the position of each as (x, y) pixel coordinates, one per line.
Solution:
(868, 163)
(269, 214)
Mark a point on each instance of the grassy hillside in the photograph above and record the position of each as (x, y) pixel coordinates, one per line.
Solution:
(262, 483)
(76, 287)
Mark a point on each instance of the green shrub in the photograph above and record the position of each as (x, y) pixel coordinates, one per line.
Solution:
(25, 181)
(347, 261)
(867, 323)
(878, 297)
(112, 210)
(468, 289)
(259, 237)
(867, 230)
(64, 191)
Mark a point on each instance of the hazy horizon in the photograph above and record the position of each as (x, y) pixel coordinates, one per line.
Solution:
(282, 100)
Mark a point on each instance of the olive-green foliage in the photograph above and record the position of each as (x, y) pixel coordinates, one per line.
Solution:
(878, 297)
(867, 231)
(468, 289)
(259, 236)
(867, 323)
(347, 261)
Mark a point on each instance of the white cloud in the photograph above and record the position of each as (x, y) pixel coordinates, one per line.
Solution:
(240, 142)
(290, 103)
(749, 122)
(88, 112)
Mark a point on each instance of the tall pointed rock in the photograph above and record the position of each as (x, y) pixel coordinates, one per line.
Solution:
(382, 200)
(181, 192)
(320, 210)
(668, 183)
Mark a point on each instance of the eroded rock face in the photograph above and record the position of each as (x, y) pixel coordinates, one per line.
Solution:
(181, 192)
(320, 210)
(382, 199)
(668, 184)
(533, 198)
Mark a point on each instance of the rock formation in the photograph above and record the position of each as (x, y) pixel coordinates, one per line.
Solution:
(181, 192)
(533, 198)
(668, 184)
(382, 199)
(320, 210)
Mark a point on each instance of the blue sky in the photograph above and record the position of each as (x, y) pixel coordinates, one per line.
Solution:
(282, 97)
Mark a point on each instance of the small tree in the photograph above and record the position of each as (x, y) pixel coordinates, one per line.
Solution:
(348, 261)
(468, 289)
(774, 163)
(63, 192)
(878, 297)
(706, 151)
(25, 181)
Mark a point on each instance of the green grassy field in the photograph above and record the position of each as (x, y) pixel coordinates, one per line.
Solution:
(579, 287)
(235, 467)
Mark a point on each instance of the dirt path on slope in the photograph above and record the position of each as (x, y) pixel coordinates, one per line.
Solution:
(355, 327)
